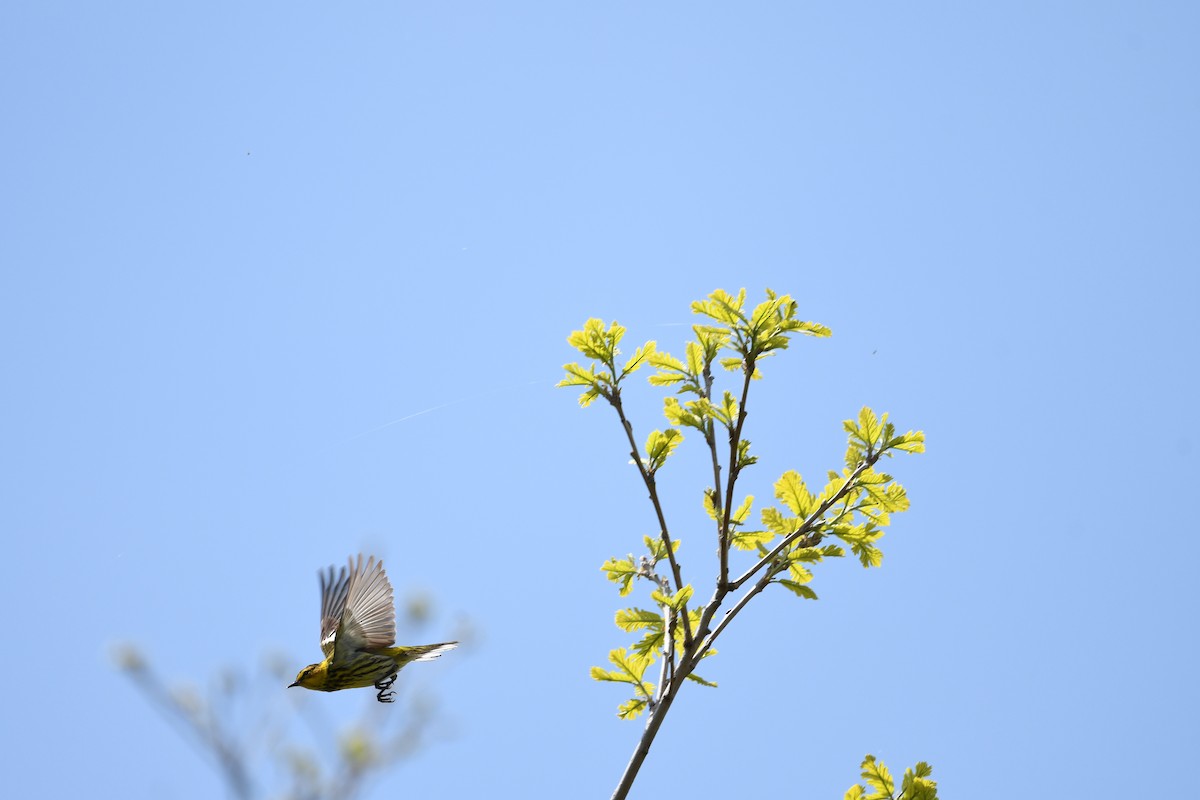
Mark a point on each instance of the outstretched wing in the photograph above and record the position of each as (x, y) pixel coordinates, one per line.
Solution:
(334, 586)
(368, 617)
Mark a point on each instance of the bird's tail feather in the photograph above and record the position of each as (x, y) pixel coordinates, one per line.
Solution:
(422, 652)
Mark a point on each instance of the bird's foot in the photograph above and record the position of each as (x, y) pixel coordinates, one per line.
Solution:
(384, 695)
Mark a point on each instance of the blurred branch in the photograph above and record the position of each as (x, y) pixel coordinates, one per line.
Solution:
(187, 713)
(335, 767)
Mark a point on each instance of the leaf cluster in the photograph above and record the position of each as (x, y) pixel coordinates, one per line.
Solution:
(879, 785)
(853, 507)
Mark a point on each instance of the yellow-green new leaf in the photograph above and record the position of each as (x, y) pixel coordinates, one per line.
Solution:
(743, 510)
(855, 792)
(799, 589)
(601, 674)
(670, 369)
(630, 709)
(869, 425)
(832, 551)
(621, 571)
(638, 358)
(658, 548)
(598, 383)
(688, 415)
(722, 307)
(649, 644)
(791, 491)
(911, 442)
(630, 664)
(861, 539)
(917, 785)
(729, 410)
(577, 376)
(660, 445)
(799, 574)
(675, 601)
(695, 359)
(809, 555)
(694, 677)
(878, 778)
(636, 619)
(711, 339)
(595, 342)
(777, 523)
(751, 540)
(744, 459)
(813, 329)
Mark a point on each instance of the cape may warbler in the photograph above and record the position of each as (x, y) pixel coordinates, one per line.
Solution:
(358, 633)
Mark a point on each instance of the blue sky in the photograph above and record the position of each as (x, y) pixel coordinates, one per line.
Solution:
(239, 240)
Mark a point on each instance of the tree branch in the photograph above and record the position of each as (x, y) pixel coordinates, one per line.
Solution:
(653, 723)
(809, 521)
(735, 438)
(648, 479)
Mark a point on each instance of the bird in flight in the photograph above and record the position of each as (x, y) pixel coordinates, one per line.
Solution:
(358, 633)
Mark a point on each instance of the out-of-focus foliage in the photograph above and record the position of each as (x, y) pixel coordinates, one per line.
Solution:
(268, 741)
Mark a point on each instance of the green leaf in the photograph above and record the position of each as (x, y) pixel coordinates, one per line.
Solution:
(632, 665)
(916, 784)
(578, 376)
(799, 574)
(722, 307)
(711, 339)
(751, 540)
(630, 709)
(869, 427)
(622, 571)
(658, 548)
(599, 384)
(791, 491)
(878, 778)
(911, 442)
(778, 523)
(601, 674)
(649, 644)
(638, 358)
(595, 342)
(684, 415)
(675, 601)
(743, 510)
(694, 677)
(799, 589)
(744, 459)
(636, 619)
(809, 555)
(659, 447)
(695, 359)
(729, 410)
(670, 369)
(814, 329)
(861, 539)
(710, 504)
(733, 364)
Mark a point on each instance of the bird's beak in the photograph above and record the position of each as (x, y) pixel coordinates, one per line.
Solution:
(290, 685)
